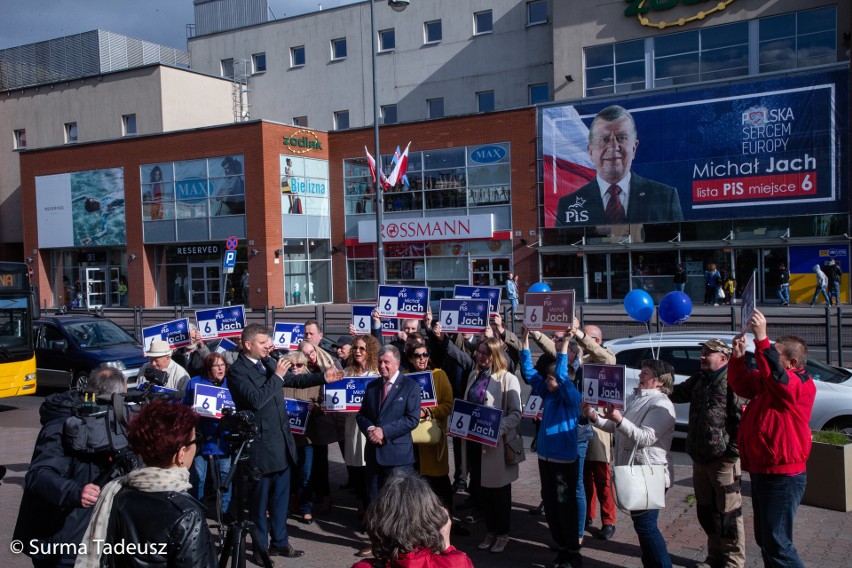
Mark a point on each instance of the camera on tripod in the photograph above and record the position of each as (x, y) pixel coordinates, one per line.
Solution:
(156, 377)
(236, 427)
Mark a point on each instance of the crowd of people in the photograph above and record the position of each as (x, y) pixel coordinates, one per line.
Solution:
(739, 420)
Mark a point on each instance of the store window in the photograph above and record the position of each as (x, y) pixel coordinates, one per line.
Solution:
(180, 200)
(304, 186)
(307, 271)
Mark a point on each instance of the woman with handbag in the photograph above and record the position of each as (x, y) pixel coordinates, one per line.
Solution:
(557, 450)
(492, 470)
(644, 432)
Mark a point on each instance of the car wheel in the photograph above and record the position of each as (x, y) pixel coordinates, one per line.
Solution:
(843, 425)
(81, 379)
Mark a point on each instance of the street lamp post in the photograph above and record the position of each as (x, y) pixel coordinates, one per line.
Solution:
(398, 6)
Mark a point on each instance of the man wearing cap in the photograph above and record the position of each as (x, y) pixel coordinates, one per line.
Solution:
(159, 356)
(343, 346)
(711, 442)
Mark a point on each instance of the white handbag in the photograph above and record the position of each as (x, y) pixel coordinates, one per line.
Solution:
(639, 487)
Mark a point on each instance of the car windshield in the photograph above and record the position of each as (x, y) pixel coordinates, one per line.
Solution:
(92, 334)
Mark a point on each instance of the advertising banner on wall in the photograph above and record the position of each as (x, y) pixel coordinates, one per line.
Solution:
(81, 209)
(803, 277)
(304, 186)
(750, 149)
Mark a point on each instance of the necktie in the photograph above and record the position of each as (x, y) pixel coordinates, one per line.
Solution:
(386, 389)
(614, 210)
(261, 367)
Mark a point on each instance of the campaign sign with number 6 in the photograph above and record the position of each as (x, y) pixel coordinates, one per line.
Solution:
(221, 322)
(604, 383)
(345, 395)
(490, 293)
(475, 423)
(403, 302)
(175, 332)
(464, 316)
(288, 335)
(362, 319)
(551, 311)
(209, 400)
(534, 407)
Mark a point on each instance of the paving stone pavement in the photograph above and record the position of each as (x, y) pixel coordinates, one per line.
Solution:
(823, 537)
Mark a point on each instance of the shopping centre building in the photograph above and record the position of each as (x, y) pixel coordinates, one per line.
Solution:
(739, 158)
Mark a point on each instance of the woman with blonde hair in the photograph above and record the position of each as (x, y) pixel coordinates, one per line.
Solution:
(489, 384)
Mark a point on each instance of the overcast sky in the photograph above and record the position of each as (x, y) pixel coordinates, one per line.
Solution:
(159, 21)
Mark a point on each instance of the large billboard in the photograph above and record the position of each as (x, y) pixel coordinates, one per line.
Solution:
(81, 209)
(768, 148)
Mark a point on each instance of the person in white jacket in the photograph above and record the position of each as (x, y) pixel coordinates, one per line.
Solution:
(821, 286)
(649, 420)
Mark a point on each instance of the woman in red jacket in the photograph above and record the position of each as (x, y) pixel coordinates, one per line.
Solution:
(409, 528)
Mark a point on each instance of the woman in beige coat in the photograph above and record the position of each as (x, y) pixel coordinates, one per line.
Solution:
(490, 384)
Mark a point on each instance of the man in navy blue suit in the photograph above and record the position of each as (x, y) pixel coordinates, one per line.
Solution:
(389, 412)
(617, 195)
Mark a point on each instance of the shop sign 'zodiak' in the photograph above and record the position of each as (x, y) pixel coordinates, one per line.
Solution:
(302, 141)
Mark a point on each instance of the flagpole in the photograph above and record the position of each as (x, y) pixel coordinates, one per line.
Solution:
(380, 202)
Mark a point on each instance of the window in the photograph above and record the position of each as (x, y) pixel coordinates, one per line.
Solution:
(300, 121)
(485, 101)
(338, 49)
(387, 40)
(297, 56)
(615, 68)
(701, 55)
(389, 114)
(20, 139)
(435, 108)
(536, 12)
(538, 93)
(483, 22)
(341, 120)
(70, 132)
(128, 125)
(432, 31)
(797, 40)
(258, 62)
(227, 68)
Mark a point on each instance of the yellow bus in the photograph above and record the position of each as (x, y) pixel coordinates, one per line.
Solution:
(17, 356)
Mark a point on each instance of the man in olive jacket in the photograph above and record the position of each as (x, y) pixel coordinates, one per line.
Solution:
(711, 442)
(257, 384)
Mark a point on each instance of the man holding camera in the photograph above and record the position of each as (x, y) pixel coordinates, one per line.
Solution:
(256, 383)
(60, 488)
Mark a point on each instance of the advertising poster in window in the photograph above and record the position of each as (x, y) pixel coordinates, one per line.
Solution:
(304, 186)
(751, 149)
(81, 209)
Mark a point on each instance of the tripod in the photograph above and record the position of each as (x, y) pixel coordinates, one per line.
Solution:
(234, 549)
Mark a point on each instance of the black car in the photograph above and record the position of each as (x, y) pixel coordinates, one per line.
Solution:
(69, 347)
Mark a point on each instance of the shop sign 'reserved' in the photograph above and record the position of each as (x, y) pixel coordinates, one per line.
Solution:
(302, 141)
(197, 250)
(428, 229)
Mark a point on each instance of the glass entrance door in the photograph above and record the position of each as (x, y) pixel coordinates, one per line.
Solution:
(204, 285)
(490, 271)
(96, 287)
(765, 262)
(607, 276)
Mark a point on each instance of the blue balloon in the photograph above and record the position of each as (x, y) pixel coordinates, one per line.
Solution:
(675, 308)
(539, 287)
(639, 305)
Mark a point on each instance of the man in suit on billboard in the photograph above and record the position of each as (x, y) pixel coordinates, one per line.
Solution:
(617, 195)
(388, 414)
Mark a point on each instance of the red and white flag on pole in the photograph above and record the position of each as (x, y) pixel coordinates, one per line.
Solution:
(372, 163)
(400, 168)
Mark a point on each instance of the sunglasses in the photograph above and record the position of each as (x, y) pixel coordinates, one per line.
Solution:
(359, 348)
(299, 365)
(421, 355)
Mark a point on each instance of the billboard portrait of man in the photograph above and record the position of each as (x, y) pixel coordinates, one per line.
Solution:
(617, 195)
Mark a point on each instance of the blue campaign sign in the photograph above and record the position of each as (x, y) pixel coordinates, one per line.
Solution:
(427, 388)
(346, 394)
(288, 335)
(298, 411)
(475, 423)
(403, 301)
(464, 316)
(175, 332)
(362, 319)
(225, 345)
(604, 383)
(490, 293)
(210, 400)
(221, 322)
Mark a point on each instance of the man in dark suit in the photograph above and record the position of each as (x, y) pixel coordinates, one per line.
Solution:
(256, 383)
(617, 196)
(389, 412)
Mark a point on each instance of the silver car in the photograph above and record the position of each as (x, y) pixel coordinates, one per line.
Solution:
(832, 407)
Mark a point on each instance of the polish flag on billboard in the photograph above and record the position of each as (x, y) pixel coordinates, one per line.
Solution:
(400, 168)
(566, 162)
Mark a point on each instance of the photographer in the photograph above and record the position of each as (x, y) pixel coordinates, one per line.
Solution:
(58, 488)
(162, 370)
(256, 386)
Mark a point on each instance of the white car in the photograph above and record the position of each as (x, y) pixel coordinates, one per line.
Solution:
(832, 407)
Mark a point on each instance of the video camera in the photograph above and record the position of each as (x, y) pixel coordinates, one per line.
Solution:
(155, 377)
(237, 426)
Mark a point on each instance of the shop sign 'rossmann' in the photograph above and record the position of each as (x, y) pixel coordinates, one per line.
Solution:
(429, 229)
